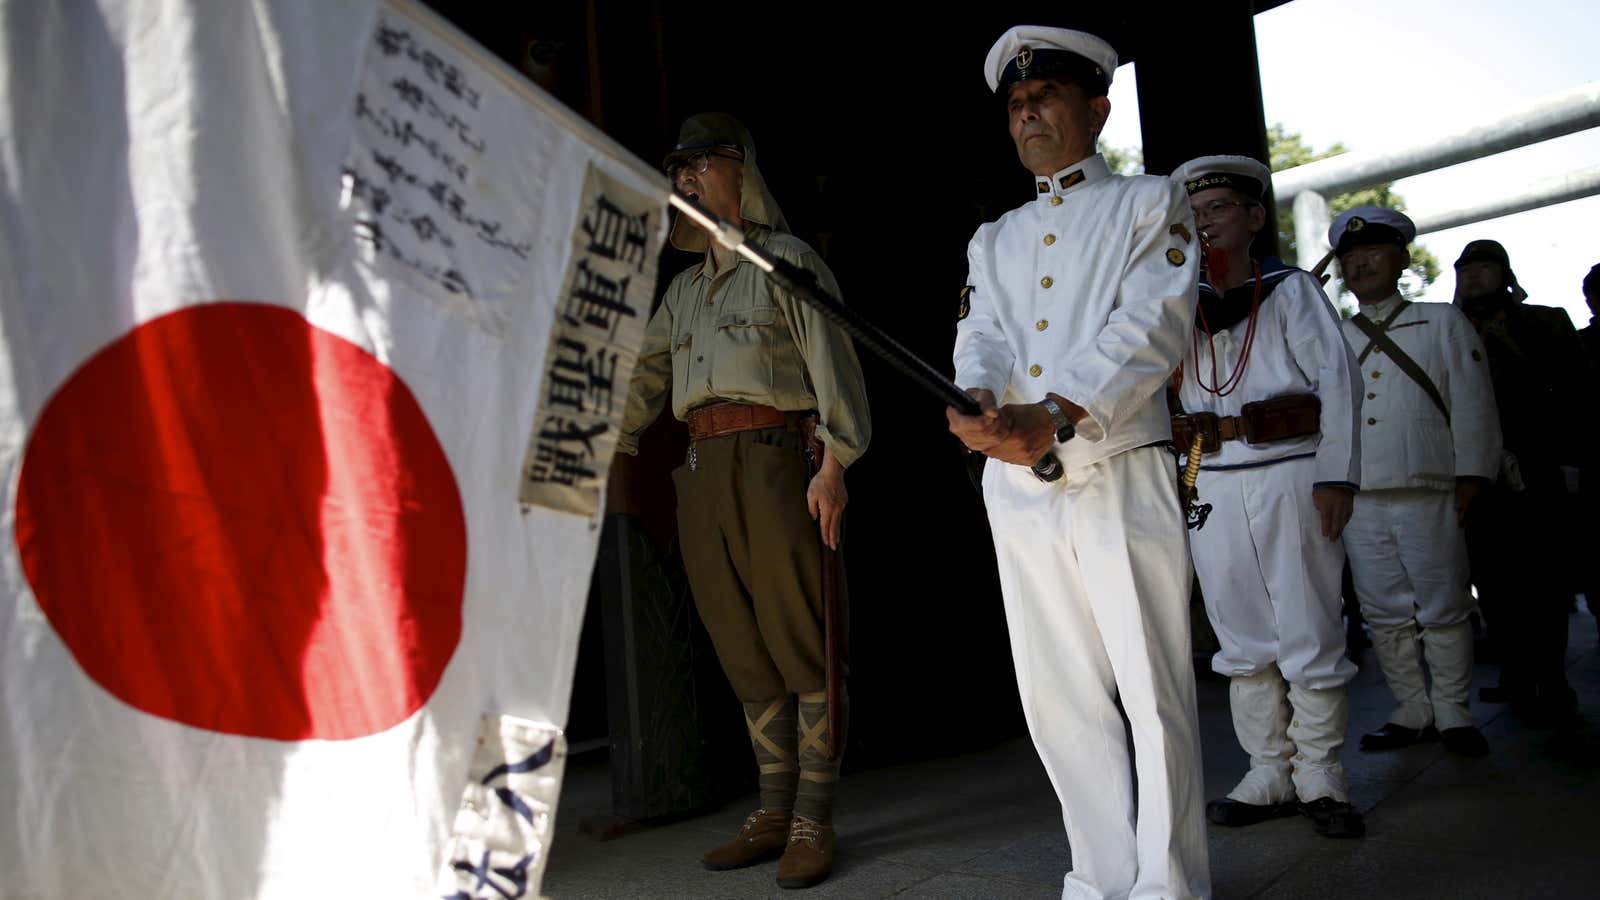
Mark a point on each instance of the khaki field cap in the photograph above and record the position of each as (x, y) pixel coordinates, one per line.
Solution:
(713, 131)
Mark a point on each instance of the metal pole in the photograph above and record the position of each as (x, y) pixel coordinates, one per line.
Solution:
(1311, 220)
(1572, 110)
(1572, 186)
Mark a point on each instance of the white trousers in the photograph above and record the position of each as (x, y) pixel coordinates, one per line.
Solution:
(1095, 574)
(1270, 579)
(1409, 563)
(1408, 558)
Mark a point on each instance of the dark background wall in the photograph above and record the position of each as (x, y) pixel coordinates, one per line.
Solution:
(885, 148)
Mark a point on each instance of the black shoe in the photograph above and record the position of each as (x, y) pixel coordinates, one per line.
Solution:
(1334, 819)
(1393, 737)
(1464, 741)
(1236, 813)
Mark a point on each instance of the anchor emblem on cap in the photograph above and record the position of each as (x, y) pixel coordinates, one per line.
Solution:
(1024, 57)
(1356, 223)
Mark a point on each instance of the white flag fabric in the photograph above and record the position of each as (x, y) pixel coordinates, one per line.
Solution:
(311, 319)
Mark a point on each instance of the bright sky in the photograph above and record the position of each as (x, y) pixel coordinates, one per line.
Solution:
(1380, 74)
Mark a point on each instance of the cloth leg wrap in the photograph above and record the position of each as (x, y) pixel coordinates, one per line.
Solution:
(772, 734)
(818, 775)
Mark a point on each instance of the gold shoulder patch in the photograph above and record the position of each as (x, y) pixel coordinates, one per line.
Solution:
(1178, 229)
(1176, 257)
(966, 303)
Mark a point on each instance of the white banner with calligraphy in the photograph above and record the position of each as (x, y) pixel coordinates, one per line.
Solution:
(302, 384)
(604, 303)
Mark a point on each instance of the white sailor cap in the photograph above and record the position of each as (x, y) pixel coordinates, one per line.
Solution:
(1039, 51)
(1367, 225)
(1241, 173)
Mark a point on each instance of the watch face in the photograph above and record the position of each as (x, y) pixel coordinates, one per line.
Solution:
(1058, 418)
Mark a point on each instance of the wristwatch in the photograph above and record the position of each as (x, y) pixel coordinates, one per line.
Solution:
(1058, 417)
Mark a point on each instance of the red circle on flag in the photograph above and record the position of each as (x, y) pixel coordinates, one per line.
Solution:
(244, 523)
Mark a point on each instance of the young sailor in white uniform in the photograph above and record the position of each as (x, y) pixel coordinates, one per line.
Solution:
(1269, 388)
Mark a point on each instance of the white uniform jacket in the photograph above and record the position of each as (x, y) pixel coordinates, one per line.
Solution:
(1298, 348)
(1088, 291)
(1406, 442)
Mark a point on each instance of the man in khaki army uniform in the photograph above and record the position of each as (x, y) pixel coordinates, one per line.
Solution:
(747, 365)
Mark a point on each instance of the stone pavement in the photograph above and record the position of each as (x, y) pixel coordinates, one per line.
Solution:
(1519, 823)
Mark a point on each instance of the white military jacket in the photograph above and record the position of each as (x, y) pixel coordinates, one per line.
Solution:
(1298, 348)
(1405, 439)
(1088, 292)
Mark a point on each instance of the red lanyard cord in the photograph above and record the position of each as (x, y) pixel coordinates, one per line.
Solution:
(1223, 390)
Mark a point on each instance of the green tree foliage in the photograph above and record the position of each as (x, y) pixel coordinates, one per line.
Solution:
(1289, 149)
(1123, 160)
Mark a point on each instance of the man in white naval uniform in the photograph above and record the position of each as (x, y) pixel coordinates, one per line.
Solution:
(1078, 310)
(1430, 441)
(1270, 389)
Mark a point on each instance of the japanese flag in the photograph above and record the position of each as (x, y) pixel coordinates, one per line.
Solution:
(312, 319)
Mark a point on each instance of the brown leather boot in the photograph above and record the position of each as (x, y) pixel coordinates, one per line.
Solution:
(809, 858)
(761, 837)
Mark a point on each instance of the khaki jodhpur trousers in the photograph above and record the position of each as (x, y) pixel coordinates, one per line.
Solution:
(754, 558)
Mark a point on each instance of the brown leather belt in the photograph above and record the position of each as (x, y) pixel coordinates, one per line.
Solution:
(724, 417)
(1262, 422)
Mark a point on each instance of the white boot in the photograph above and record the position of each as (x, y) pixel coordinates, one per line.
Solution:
(1261, 721)
(1449, 653)
(1401, 662)
(1448, 649)
(1317, 730)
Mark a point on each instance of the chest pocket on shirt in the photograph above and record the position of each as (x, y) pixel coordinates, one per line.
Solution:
(747, 340)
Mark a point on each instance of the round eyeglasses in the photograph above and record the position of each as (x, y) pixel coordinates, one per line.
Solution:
(697, 163)
(1216, 208)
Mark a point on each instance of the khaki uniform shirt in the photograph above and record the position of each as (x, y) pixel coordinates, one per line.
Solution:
(734, 335)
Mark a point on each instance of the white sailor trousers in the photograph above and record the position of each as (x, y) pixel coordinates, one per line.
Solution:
(1270, 579)
(1095, 575)
(1407, 558)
